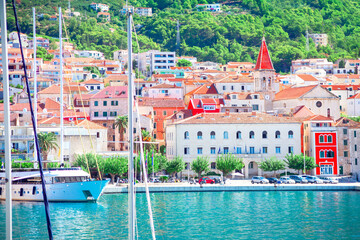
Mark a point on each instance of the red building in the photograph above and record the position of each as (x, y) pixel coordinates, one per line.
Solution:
(207, 105)
(326, 152)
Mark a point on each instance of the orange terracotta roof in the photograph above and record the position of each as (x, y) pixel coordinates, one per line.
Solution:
(89, 124)
(307, 77)
(294, 92)
(318, 118)
(51, 104)
(52, 120)
(92, 81)
(204, 89)
(163, 76)
(164, 85)
(356, 96)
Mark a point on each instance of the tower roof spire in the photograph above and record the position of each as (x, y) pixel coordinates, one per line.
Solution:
(264, 60)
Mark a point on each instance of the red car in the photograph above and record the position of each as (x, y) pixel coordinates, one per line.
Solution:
(206, 180)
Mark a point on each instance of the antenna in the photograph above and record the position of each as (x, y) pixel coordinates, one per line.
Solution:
(307, 40)
(178, 37)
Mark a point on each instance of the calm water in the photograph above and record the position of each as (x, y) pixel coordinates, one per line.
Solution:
(213, 215)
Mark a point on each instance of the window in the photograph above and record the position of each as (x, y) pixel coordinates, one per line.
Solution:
(252, 150)
(291, 149)
(105, 103)
(186, 150)
(104, 114)
(291, 134)
(200, 150)
(155, 125)
(238, 150)
(154, 113)
(255, 107)
(113, 114)
(251, 134)
(354, 133)
(345, 131)
(186, 135)
(96, 103)
(355, 147)
(251, 165)
(322, 154)
(113, 137)
(164, 113)
(212, 135)
(329, 138)
(264, 134)
(330, 154)
(238, 135)
(278, 150)
(96, 114)
(345, 142)
(226, 135)
(277, 134)
(321, 138)
(265, 150)
(224, 87)
(346, 154)
(326, 169)
(232, 87)
(97, 135)
(212, 150)
(356, 161)
(226, 150)
(199, 135)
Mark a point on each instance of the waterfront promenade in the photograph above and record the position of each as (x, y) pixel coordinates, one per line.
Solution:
(242, 185)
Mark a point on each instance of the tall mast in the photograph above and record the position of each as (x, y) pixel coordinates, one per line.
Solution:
(35, 82)
(131, 133)
(5, 68)
(61, 92)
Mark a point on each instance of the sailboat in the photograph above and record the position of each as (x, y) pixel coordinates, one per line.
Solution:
(64, 184)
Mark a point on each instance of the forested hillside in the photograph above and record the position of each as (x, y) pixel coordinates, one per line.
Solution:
(233, 35)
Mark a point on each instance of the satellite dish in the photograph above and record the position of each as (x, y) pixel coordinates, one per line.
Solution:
(45, 110)
(25, 110)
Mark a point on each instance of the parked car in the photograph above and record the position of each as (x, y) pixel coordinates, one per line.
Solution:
(217, 179)
(298, 179)
(206, 180)
(329, 180)
(314, 179)
(273, 180)
(259, 179)
(287, 180)
(154, 180)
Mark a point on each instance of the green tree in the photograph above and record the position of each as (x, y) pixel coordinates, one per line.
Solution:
(115, 165)
(272, 164)
(175, 165)
(47, 142)
(200, 165)
(296, 162)
(87, 161)
(227, 163)
(121, 122)
(183, 63)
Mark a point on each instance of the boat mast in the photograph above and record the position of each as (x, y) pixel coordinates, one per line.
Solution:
(61, 92)
(131, 133)
(35, 82)
(5, 67)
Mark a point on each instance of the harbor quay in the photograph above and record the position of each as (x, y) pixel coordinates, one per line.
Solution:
(242, 185)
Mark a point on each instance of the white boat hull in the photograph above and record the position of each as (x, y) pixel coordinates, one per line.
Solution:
(59, 192)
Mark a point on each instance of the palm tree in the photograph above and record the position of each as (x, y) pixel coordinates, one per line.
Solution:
(47, 142)
(121, 122)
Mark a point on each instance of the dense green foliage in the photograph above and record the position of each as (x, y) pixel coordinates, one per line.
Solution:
(200, 165)
(227, 163)
(233, 35)
(175, 165)
(115, 165)
(272, 164)
(296, 162)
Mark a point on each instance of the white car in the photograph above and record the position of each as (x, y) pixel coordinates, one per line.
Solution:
(259, 179)
(329, 180)
(313, 179)
(287, 180)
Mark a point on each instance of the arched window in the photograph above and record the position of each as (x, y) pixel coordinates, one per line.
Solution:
(329, 138)
(277, 134)
(212, 135)
(251, 134)
(238, 135)
(329, 154)
(321, 138)
(199, 135)
(264, 134)
(322, 154)
(291, 134)
(186, 135)
(226, 135)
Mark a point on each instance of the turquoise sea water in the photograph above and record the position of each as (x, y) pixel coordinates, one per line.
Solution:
(212, 215)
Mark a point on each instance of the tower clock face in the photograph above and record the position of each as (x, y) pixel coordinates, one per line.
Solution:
(267, 97)
(318, 104)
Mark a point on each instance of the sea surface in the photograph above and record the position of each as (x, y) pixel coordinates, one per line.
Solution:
(205, 215)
